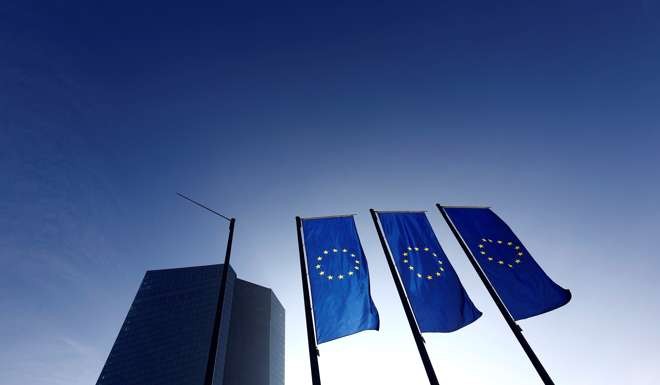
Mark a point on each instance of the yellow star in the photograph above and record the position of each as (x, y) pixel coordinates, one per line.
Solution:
(426, 249)
(350, 273)
(352, 255)
(440, 262)
(490, 240)
(483, 252)
(409, 248)
(343, 250)
(501, 262)
(411, 267)
(520, 253)
(429, 277)
(340, 276)
(517, 260)
(419, 275)
(510, 265)
(442, 269)
(405, 254)
(490, 258)
(498, 241)
(356, 261)
(483, 239)
(330, 277)
(481, 246)
(325, 251)
(517, 247)
(405, 261)
(318, 266)
(334, 250)
(434, 254)
(437, 273)
(319, 258)
(509, 243)
(357, 267)
(416, 248)
(322, 273)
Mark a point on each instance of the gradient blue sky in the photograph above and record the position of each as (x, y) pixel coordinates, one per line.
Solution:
(549, 112)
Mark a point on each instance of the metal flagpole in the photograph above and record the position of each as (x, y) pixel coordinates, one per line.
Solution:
(311, 335)
(419, 340)
(217, 321)
(515, 328)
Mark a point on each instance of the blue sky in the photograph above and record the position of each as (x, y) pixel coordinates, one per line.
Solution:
(546, 112)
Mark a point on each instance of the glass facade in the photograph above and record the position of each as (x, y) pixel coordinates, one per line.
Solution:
(276, 337)
(165, 338)
(256, 338)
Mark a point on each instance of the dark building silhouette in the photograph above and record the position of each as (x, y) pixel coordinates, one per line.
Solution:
(166, 336)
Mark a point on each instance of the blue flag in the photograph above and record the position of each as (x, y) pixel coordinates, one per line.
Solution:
(438, 299)
(519, 281)
(339, 278)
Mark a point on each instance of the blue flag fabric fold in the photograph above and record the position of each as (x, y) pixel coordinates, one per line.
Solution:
(339, 278)
(523, 286)
(436, 295)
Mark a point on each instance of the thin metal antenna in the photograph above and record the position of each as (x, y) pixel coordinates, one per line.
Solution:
(217, 320)
(202, 206)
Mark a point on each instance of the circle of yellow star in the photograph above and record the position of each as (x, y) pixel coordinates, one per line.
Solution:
(509, 248)
(319, 267)
(420, 251)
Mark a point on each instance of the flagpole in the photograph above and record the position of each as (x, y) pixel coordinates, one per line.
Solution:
(414, 328)
(217, 320)
(515, 328)
(311, 335)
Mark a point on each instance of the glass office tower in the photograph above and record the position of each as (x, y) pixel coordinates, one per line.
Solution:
(166, 336)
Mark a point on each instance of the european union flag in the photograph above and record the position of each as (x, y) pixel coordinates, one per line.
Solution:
(436, 295)
(339, 278)
(520, 282)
